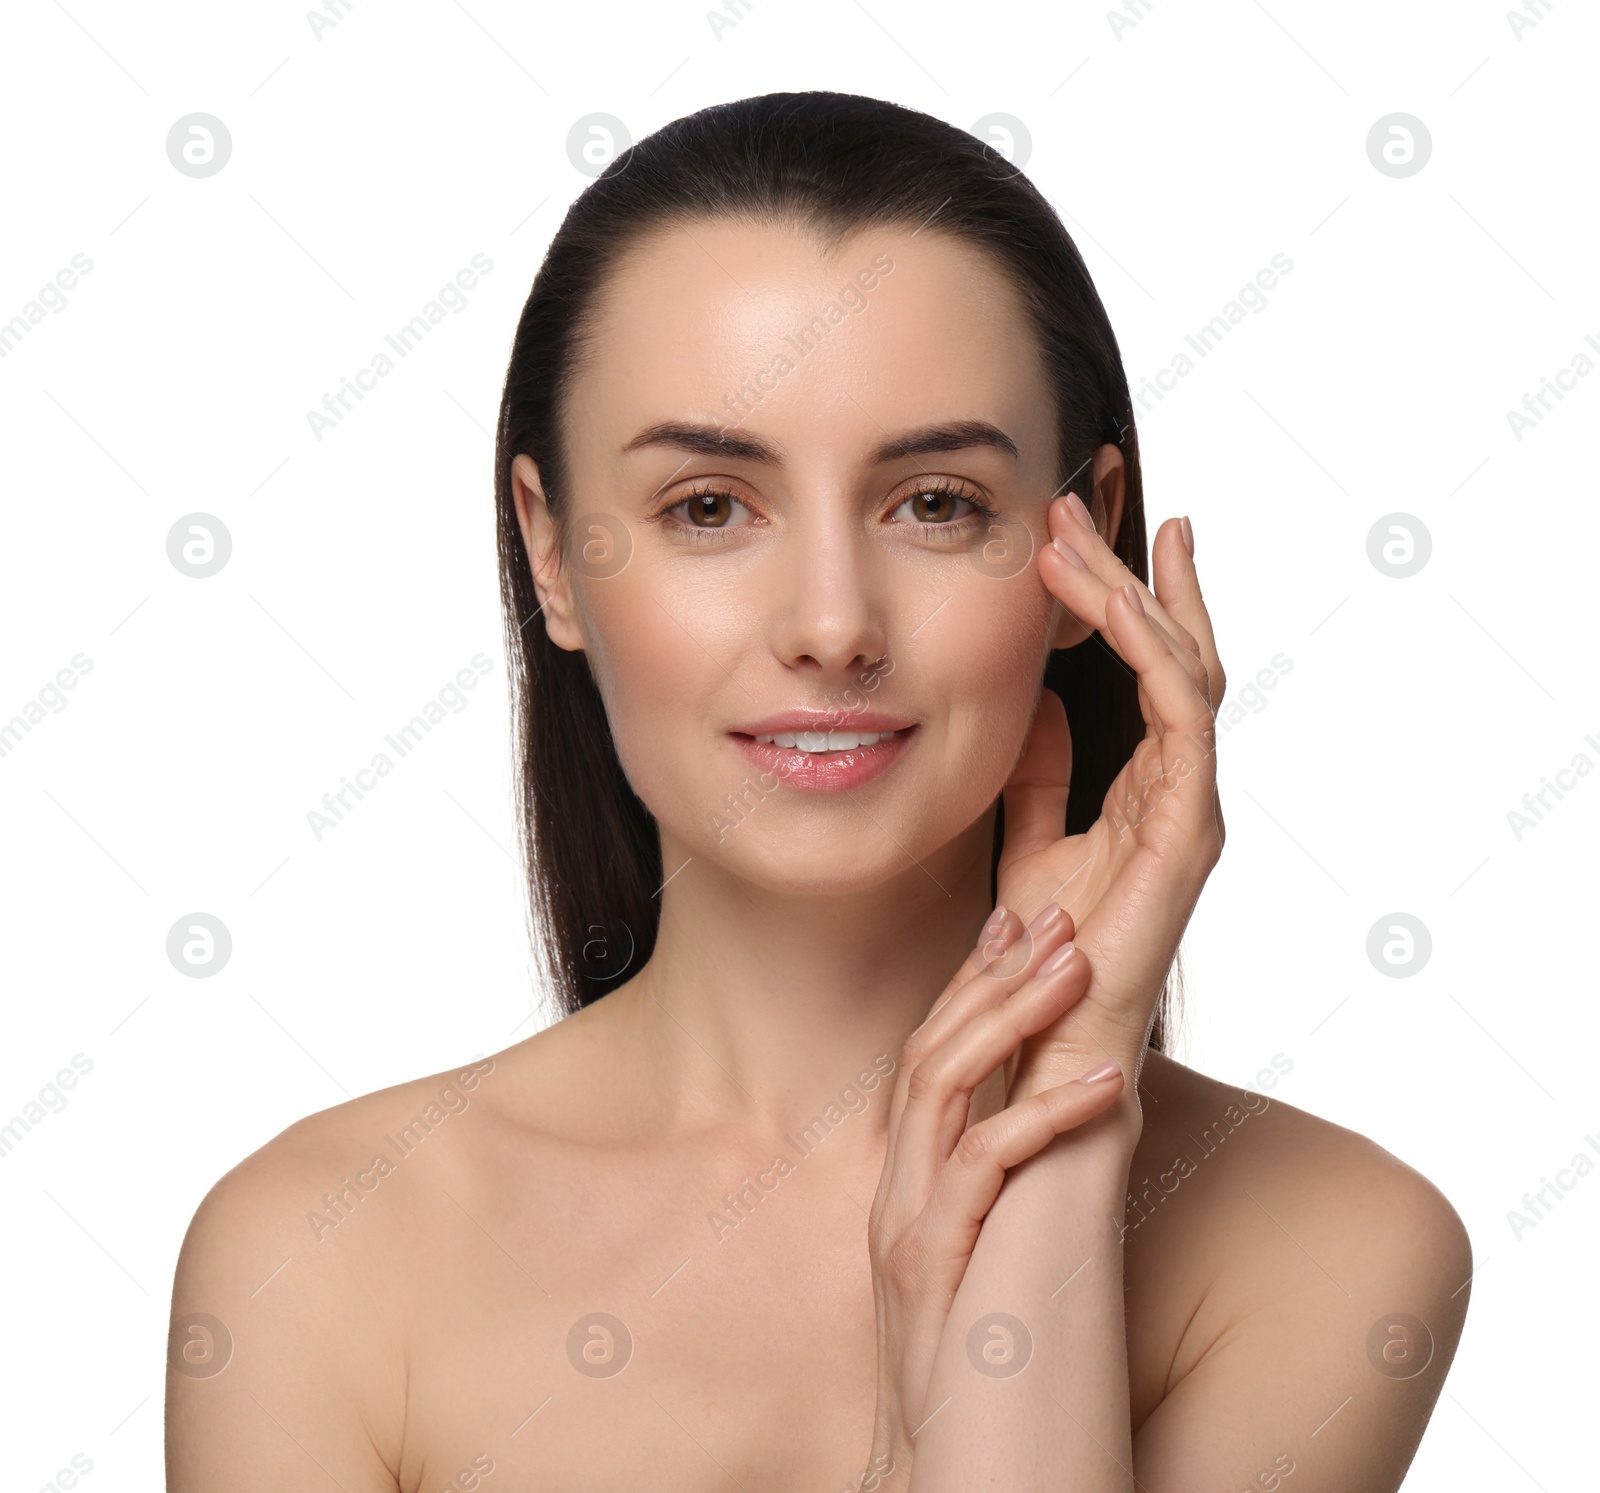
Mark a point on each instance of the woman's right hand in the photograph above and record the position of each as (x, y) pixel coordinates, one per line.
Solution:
(948, 1153)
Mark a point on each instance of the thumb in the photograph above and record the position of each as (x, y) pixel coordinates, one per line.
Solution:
(1035, 796)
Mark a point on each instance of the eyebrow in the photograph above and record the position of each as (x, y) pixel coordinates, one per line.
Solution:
(716, 440)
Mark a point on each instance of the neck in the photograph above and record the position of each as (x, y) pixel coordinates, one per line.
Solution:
(762, 1006)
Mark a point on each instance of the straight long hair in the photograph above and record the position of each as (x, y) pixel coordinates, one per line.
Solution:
(829, 164)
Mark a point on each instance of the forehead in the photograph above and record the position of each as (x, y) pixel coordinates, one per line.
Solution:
(757, 325)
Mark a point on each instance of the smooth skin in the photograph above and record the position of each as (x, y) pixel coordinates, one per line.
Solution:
(826, 964)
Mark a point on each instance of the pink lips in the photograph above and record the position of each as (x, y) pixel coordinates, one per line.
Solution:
(824, 772)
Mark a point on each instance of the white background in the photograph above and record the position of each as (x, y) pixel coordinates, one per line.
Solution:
(368, 166)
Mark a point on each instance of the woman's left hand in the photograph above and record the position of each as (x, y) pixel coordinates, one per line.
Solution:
(1131, 880)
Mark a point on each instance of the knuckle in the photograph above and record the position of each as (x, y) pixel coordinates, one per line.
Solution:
(976, 1146)
(923, 1079)
(903, 1266)
(913, 1050)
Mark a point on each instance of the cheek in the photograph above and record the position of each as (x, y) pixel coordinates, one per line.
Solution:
(658, 662)
(989, 662)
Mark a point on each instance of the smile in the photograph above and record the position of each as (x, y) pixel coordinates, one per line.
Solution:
(824, 761)
(827, 741)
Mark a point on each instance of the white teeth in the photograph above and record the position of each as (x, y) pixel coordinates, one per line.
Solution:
(827, 741)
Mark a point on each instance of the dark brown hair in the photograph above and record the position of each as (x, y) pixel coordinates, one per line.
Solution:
(829, 163)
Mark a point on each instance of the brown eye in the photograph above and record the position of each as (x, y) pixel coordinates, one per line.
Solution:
(938, 506)
(942, 507)
(709, 510)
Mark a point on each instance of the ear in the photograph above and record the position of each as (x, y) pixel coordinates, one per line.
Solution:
(1105, 500)
(552, 577)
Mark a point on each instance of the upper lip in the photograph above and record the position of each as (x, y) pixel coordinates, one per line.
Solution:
(841, 719)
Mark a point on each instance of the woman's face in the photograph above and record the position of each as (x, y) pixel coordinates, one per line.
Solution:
(779, 466)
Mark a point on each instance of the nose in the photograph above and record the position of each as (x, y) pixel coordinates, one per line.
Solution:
(828, 607)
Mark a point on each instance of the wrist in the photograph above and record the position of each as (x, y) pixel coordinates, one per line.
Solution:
(1098, 1153)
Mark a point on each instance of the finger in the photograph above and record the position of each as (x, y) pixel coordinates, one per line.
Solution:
(995, 940)
(990, 973)
(1176, 697)
(941, 1085)
(970, 1181)
(1035, 795)
(1178, 588)
(997, 968)
(1068, 520)
(1084, 591)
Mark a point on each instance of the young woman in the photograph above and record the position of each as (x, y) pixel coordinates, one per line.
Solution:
(820, 522)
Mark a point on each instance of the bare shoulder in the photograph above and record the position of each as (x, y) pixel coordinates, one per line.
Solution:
(317, 1170)
(283, 1329)
(1247, 1152)
(1318, 1276)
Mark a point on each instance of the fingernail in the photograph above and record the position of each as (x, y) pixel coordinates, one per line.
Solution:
(1046, 920)
(1187, 530)
(998, 939)
(1070, 555)
(1057, 959)
(1096, 1075)
(1132, 593)
(994, 941)
(1079, 512)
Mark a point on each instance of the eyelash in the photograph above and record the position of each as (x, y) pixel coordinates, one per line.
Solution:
(981, 511)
